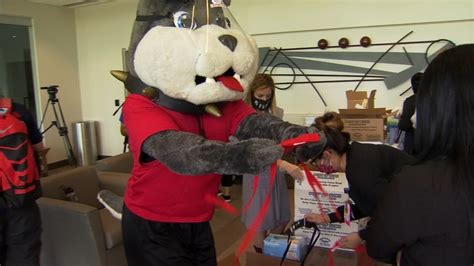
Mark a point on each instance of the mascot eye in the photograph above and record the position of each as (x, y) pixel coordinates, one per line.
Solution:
(224, 22)
(183, 19)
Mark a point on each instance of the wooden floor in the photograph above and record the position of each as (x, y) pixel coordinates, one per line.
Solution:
(229, 230)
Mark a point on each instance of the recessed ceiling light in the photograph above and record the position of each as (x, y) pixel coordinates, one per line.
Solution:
(13, 36)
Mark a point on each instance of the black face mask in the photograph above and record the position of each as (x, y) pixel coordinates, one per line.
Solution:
(261, 105)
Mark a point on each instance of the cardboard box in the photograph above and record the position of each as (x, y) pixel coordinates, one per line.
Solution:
(275, 245)
(317, 257)
(363, 124)
(305, 202)
(360, 98)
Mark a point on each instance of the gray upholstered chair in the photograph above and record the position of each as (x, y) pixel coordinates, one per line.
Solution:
(122, 163)
(80, 232)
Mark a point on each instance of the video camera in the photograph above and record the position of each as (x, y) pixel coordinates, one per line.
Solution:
(52, 90)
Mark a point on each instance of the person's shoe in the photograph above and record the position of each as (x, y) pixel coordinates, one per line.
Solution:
(112, 202)
(227, 198)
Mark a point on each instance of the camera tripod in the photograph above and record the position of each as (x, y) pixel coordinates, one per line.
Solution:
(59, 122)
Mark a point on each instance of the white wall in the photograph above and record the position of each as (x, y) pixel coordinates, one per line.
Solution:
(302, 23)
(103, 30)
(301, 99)
(270, 16)
(56, 62)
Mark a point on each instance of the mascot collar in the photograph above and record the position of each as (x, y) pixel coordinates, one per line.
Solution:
(135, 85)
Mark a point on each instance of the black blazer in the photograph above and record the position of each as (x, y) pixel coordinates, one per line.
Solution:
(369, 169)
(424, 216)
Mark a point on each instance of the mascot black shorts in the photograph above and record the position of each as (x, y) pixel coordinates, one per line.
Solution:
(174, 244)
(20, 236)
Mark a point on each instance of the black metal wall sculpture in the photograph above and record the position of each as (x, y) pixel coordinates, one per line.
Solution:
(298, 60)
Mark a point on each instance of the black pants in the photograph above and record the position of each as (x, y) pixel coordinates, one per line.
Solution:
(228, 180)
(175, 244)
(20, 236)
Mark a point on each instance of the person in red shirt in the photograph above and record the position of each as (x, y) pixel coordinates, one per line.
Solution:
(180, 76)
(166, 195)
(170, 205)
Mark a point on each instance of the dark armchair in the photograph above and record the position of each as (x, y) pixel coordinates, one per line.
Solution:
(80, 232)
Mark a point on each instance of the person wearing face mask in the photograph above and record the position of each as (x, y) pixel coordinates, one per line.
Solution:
(369, 168)
(261, 96)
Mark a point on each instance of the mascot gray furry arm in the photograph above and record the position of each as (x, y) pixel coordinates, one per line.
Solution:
(196, 155)
(191, 57)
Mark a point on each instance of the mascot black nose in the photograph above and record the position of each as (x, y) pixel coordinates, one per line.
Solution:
(229, 41)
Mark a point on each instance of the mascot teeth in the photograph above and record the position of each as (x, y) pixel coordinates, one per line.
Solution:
(237, 77)
(210, 80)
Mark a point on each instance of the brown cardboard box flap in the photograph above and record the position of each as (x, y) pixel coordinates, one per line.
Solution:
(374, 112)
(360, 97)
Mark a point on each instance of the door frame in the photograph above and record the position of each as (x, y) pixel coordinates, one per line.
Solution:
(28, 22)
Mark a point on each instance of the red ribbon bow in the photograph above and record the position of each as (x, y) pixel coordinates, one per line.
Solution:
(287, 145)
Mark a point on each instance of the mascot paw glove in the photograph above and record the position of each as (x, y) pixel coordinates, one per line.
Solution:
(251, 156)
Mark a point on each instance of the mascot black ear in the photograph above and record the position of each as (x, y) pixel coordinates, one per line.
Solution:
(148, 13)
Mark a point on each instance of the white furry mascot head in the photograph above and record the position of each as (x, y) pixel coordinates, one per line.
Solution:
(192, 52)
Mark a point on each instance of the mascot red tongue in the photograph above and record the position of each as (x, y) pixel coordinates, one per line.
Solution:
(180, 143)
(231, 83)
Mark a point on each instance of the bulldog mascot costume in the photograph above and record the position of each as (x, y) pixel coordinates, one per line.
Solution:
(189, 67)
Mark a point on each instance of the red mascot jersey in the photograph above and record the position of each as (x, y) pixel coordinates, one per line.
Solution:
(155, 192)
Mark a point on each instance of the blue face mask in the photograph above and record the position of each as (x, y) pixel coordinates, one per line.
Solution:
(261, 105)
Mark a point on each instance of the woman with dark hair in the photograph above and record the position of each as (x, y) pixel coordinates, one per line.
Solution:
(427, 212)
(368, 167)
(329, 119)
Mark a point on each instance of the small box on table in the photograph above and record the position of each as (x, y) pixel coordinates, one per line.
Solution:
(275, 245)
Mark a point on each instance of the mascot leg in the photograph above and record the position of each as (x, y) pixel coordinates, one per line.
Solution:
(112, 202)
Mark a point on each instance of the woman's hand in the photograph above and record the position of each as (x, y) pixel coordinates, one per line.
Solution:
(318, 218)
(293, 170)
(352, 240)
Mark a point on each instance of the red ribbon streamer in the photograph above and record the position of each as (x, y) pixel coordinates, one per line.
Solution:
(314, 183)
(300, 140)
(260, 217)
(220, 203)
(255, 186)
(287, 145)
